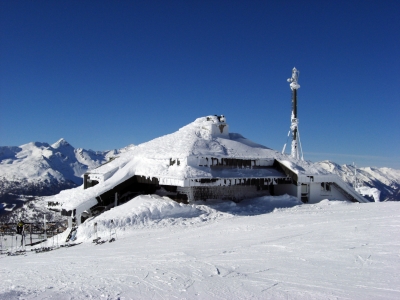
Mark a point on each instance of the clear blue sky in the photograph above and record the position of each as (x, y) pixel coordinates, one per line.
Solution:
(105, 74)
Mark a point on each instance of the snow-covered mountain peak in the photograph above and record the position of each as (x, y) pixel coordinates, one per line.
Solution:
(39, 168)
(330, 166)
(61, 143)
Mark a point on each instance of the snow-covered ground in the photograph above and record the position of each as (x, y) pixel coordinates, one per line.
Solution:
(266, 248)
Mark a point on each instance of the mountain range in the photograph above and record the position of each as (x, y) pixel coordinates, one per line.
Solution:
(41, 169)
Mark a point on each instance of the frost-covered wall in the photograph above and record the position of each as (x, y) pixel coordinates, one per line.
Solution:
(325, 190)
(312, 192)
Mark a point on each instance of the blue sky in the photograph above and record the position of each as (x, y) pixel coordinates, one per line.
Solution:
(105, 74)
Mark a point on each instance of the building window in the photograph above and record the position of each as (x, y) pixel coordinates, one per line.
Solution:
(325, 188)
(304, 192)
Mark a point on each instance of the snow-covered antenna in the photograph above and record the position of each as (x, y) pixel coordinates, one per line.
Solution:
(294, 127)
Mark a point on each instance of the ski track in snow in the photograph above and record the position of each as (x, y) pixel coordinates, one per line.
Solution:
(330, 250)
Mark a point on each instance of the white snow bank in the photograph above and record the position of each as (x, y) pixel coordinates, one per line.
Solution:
(367, 191)
(142, 211)
(155, 211)
(327, 202)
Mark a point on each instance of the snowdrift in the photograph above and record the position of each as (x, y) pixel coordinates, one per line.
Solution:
(154, 211)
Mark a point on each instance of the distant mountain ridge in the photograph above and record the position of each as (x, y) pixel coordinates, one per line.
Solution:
(41, 169)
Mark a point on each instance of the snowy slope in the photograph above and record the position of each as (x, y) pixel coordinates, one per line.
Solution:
(42, 169)
(265, 248)
(386, 180)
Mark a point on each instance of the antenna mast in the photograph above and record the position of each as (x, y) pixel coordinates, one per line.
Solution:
(294, 127)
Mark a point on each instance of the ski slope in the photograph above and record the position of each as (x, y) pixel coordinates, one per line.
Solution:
(265, 248)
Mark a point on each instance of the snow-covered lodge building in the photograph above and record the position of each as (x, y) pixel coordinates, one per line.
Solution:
(201, 161)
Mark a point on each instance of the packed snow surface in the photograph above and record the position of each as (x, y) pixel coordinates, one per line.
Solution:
(264, 248)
